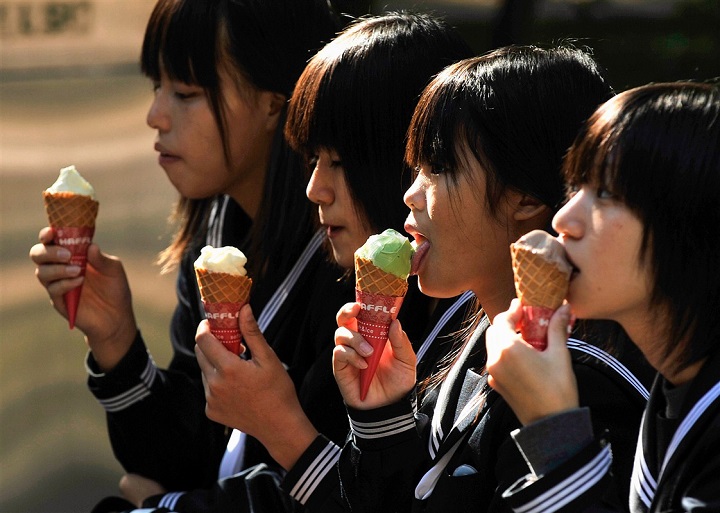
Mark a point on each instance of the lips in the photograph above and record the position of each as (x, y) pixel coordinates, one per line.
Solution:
(575, 270)
(331, 229)
(164, 153)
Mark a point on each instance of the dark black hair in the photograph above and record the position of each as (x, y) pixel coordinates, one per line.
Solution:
(264, 45)
(334, 108)
(516, 109)
(657, 149)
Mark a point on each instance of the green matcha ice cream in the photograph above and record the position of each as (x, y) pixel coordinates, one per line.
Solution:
(389, 251)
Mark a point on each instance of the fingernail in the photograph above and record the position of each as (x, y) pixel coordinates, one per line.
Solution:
(365, 349)
(72, 270)
(64, 253)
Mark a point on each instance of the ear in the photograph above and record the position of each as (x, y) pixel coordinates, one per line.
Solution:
(525, 207)
(273, 103)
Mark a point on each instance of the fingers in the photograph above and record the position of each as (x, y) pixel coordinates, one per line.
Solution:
(400, 343)
(351, 349)
(347, 316)
(252, 336)
(46, 235)
(205, 343)
(559, 327)
(510, 318)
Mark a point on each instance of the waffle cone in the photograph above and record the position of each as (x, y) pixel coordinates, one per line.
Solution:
(538, 282)
(68, 209)
(223, 287)
(370, 278)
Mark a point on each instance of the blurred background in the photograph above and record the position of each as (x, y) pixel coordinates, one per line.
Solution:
(71, 93)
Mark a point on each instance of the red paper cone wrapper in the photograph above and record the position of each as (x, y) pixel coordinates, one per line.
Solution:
(376, 314)
(76, 240)
(534, 325)
(223, 320)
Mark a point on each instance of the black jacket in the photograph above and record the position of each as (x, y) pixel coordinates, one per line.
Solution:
(464, 439)
(690, 479)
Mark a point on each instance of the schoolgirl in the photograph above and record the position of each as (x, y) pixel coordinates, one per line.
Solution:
(488, 137)
(644, 177)
(222, 72)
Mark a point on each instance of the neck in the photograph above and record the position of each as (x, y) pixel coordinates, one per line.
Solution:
(651, 338)
(248, 193)
(497, 302)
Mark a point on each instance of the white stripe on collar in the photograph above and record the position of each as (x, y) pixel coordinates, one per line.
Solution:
(232, 460)
(464, 298)
(643, 481)
(612, 362)
(282, 292)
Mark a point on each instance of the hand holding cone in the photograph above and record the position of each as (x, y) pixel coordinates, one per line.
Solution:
(72, 209)
(224, 288)
(380, 292)
(542, 274)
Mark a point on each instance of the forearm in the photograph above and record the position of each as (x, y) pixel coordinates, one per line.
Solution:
(156, 420)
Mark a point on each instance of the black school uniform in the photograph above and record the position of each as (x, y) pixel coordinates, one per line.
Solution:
(677, 462)
(313, 481)
(457, 455)
(156, 417)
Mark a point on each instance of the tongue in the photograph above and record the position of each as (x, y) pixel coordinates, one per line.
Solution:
(418, 256)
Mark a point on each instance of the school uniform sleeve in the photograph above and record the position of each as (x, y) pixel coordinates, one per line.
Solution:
(155, 417)
(547, 443)
(377, 466)
(252, 490)
(569, 468)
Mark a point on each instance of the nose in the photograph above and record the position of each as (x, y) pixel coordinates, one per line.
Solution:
(414, 197)
(157, 116)
(569, 220)
(320, 187)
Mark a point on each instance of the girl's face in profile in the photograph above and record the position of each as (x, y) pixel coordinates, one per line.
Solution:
(190, 146)
(460, 245)
(345, 224)
(602, 237)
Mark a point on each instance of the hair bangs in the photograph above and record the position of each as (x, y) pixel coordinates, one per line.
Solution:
(432, 134)
(318, 110)
(178, 40)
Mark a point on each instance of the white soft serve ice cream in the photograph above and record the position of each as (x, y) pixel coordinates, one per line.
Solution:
(71, 181)
(227, 259)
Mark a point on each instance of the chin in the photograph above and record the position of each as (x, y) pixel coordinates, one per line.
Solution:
(344, 260)
(435, 290)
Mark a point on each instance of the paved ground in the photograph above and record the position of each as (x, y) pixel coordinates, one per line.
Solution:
(53, 443)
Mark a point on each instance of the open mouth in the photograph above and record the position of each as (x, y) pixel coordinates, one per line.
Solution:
(332, 230)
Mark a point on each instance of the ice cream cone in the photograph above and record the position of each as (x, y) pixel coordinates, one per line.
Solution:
(223, 295)
(380, 295)
(72, 216)
(541, 284)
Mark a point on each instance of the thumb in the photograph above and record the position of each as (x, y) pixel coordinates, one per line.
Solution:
(400, 343)
(105, 264)
(559, 326)
(252, 336)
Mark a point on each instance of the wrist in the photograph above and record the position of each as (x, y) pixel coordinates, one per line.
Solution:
(288, 442)
(109, 350)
